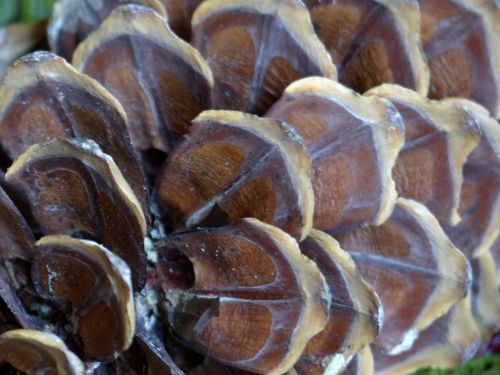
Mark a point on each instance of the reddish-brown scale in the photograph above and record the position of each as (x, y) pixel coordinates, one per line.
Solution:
(214, 177)
(256, 49)
(73, 20)
(235, 305)
(353, 142)
(94, 287)
(161, 81)
(439, 137)
(460, 41)
(74, 189)
(355, 310)
(408, 258)
(42, 97)
(372, 42)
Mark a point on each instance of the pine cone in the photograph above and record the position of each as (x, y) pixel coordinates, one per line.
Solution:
(307, 187)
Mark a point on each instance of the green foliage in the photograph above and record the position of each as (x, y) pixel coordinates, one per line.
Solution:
(24, 11)
(8, 11)
(488, 365)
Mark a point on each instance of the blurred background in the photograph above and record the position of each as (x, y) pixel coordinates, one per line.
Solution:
(22, 28)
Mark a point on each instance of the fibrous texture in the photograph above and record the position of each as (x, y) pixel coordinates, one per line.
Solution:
(95, 285)
(372, 41)
(73, 20)
(34, 352)
(449, 341)
(73, 188)
(438, 140)
(214, 178)
(353, 141)
(409, 257)
(231, 304)
(242, 187)
(256, 49)
(355, 311)
(162, 82)
(460, 39)
(43, 97)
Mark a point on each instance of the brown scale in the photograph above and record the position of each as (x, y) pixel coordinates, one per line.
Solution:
(95, 286)
(353, 141)
(252, 300)
(448, 342)
(372, 41)
(256, 49)
(16, 252)
(479, 207)
(162, 82)
(460, 40)
(42, 97)
(355, 311)
(439, 137)
(17, 240)
(477, 232)
(408, 258)
(73, 20)
(35, 352)
(75, 189)
(214, 177)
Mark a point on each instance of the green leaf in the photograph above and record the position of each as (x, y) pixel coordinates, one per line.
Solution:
(488, 365)
(35, 10)
(432, 371)
(24, 11)
(9, 9)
